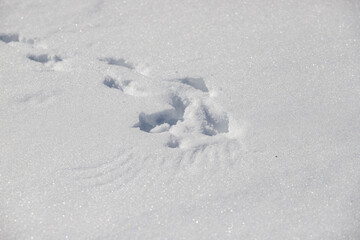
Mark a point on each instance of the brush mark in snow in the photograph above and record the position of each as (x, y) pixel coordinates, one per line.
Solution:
(44, 58)
(114, 173)
(214, 157)
(117, 62)
(9, 37)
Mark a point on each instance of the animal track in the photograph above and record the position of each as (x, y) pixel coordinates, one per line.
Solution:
(113, 83)
(192, 115)
(40, 58)
(117, 62)
(9, 37)
(163, 120)
(197, 83)
(44, 58)
(14, 37)
(128, 87)
(212, 121)
(28, 40)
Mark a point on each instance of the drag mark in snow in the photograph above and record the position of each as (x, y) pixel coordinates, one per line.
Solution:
(9, 37)
(206, 160)
(39, 98)
(117, 62)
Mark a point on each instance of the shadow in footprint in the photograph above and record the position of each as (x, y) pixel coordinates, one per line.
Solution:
(163, 120)
(117, 62)
(113, 83)
(44, 58)
(215, 123)
(9, 37)
(197, 83)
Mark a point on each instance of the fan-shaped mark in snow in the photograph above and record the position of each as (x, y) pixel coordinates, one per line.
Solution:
(44, 58)
(197, 83)
(9, 37)
(117, 62)
(208, 159)
(116, 172)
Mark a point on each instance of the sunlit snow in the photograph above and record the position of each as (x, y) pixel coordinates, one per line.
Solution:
(180, 119)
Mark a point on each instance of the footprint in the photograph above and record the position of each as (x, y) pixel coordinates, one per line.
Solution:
(202, 120)
(9, 37)
(163, 120)
(211, 120)
(192, 118)
(197, 83)
(44, 58)
(28, 40)
(129, 87)
(113, 83)
(117, 62)
(14, 37)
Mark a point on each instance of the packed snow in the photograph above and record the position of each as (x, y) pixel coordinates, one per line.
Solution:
(187, 119)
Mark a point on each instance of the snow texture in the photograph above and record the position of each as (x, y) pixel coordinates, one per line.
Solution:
(180, 119)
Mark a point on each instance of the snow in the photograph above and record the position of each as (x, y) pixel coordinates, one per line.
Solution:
(179, 119)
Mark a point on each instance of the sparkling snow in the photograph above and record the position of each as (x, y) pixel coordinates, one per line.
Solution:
(180, 119)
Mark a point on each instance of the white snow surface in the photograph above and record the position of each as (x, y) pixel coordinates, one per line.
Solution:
(192, 119)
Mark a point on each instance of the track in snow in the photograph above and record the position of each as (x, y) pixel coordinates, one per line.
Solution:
(199, 132)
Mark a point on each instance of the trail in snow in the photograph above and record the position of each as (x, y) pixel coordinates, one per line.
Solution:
(200, 135)
(125, 119)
